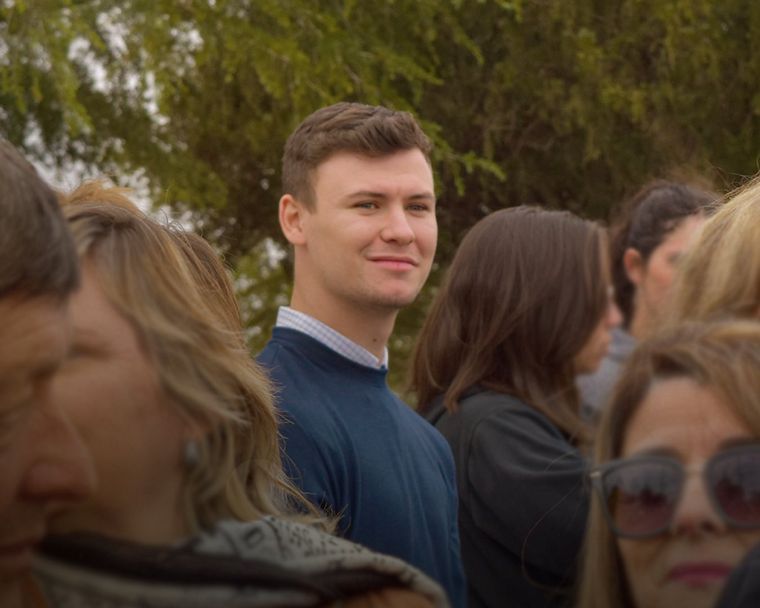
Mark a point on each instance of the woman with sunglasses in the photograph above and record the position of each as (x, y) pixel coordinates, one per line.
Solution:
(678, 481)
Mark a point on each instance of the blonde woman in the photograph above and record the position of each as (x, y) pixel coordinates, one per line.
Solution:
(677, 475)
(183, 434)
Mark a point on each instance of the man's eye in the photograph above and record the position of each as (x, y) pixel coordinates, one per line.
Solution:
(367, 205)
(419, 207)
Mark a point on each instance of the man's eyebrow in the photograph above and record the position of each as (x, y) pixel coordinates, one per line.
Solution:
(372, 194)
(367, 194)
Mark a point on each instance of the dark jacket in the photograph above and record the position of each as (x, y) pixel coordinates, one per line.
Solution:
(742, 589)
(522, 500)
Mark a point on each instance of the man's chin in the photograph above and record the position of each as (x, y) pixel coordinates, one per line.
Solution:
(390, 303)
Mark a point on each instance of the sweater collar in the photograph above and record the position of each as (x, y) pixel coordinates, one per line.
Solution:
(299, 321)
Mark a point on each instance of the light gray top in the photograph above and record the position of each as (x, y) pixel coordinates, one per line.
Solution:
(596, 388)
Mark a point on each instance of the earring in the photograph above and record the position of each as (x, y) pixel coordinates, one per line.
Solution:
(191, 454)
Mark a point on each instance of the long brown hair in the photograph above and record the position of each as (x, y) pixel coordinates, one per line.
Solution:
(523, 294)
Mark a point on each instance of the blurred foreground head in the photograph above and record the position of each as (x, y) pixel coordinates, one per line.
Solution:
(42, 461)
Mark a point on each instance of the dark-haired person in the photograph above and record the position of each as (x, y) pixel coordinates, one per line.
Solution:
(524, 307)
(648, 239)
(43, 464)
(359, 210)
(677, 472)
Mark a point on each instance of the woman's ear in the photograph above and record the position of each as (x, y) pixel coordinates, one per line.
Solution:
(634, 265)
(291, 219)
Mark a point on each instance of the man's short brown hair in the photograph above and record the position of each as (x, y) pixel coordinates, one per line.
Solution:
(346, 127)
(37, 255)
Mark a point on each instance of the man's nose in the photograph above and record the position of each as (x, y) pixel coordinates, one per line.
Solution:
(59, 467)
(397, 227)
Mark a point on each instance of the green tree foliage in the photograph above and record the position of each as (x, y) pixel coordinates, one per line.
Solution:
(564, 104)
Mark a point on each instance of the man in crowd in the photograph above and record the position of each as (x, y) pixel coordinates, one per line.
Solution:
(42, 462)
(359, 210)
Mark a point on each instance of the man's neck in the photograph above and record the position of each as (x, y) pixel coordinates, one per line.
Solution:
(369, 328)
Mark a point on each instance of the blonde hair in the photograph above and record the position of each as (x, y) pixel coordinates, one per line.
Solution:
(724, 356)
(173, 289)
(720, 276)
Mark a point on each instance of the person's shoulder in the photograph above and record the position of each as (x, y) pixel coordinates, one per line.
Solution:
(312, 551)
(283, 343)
(270, 539)
(415, 421)
(494, 412)
(489, 404)
(742, 590)
(239, 562)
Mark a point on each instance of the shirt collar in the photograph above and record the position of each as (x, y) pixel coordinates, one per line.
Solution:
(300, 321)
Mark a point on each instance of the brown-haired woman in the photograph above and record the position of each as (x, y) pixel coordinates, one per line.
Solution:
(525, 306)
(649, 236)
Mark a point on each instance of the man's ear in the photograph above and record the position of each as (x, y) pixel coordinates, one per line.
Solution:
(292, 215)
(634, 265)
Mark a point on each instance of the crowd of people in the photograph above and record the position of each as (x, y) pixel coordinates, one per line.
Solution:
(586, 429)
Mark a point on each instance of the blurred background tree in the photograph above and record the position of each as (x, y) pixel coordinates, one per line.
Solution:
(563, 104)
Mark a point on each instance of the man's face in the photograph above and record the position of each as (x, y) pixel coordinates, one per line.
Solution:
(370, 238)
(42, 462)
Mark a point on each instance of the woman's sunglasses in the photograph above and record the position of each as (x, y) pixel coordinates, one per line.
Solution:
(640, 494)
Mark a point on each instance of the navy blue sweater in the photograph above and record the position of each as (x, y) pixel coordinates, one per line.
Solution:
(354, 448)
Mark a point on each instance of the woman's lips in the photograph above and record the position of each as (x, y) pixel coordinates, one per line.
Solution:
(699, 574)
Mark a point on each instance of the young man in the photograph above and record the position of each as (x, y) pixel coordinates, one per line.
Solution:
(359, 210)
(42, 462)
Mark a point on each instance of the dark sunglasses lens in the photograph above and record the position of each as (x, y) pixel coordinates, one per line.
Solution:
(641, 496)
(735, 482)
